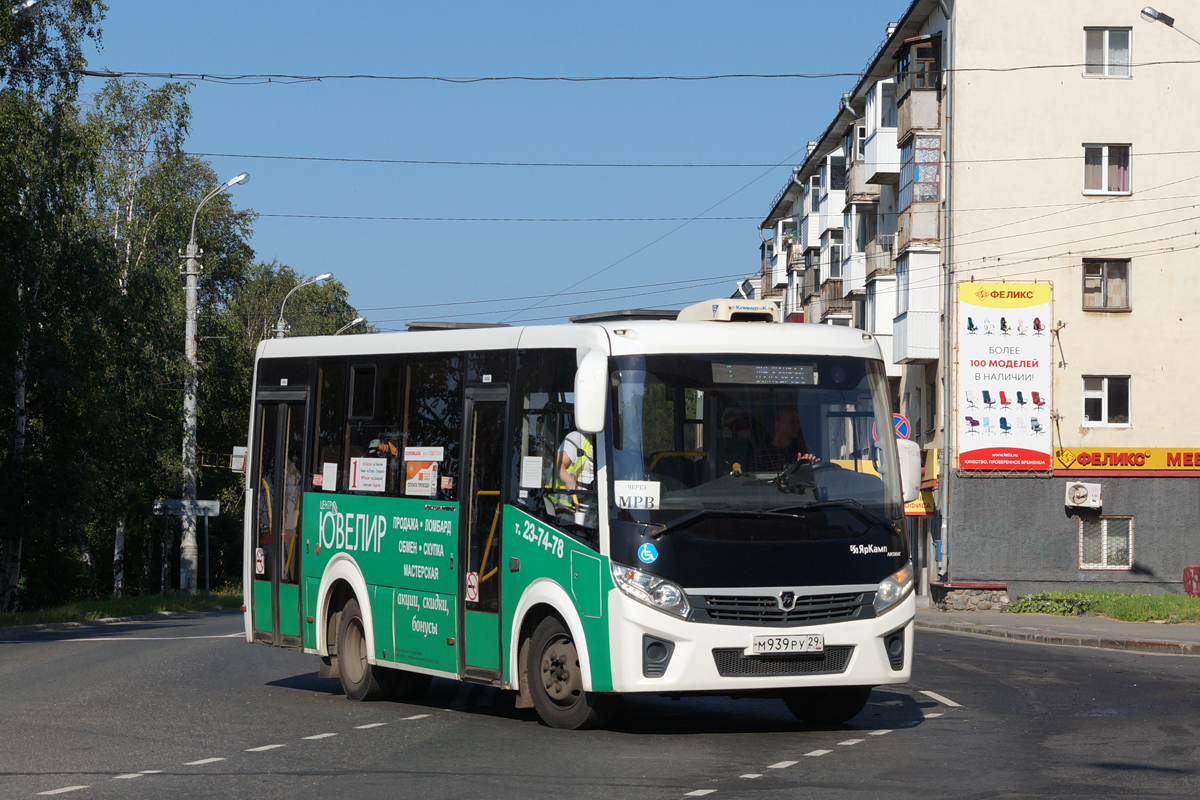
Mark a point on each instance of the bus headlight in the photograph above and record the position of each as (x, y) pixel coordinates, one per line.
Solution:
(652, 590)
(893, 589)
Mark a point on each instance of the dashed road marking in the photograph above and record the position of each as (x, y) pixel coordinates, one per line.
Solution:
(65, 789)
(370, 725)
(781, 765)
(127, 776)
(946, 701)
(202, 762)
(880, 733)
(320, 736)
(264, 748)
(849, 742)
(417, 716)
(151, 772)
(819, 753)
(934, 715)
(700, 793)
(751, 775)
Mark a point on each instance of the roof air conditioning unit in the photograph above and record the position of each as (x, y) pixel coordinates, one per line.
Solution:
(1083, 495)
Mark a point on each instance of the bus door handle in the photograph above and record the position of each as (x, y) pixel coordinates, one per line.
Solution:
(514, 564)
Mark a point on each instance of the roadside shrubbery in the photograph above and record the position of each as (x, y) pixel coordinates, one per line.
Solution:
(1115, 605)
(228, 596)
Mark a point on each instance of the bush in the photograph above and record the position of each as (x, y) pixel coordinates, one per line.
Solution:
(1124, 606)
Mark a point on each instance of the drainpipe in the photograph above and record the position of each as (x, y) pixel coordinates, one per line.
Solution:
(948, 442)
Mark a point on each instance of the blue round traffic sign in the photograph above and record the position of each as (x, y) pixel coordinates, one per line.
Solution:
(901, 425)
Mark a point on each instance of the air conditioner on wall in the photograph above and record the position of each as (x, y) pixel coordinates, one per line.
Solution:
(1083, 495)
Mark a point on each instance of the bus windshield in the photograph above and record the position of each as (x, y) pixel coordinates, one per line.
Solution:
(751, 434)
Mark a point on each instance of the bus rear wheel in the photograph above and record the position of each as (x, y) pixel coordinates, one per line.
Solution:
(827, 705)
(361, 680)
(555, 681)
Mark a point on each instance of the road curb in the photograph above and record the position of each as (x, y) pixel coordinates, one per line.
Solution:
(1041, 637)
(43, 627)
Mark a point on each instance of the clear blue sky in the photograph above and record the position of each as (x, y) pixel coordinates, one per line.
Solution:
(425, 264)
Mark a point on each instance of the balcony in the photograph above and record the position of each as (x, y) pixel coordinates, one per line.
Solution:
(917, 112)
(854, 275)
(879, 256)
(857, 188)
(920, 223)
(916, 337)
(795, 255)
(882, 157)
(832, 204)
(832, 299)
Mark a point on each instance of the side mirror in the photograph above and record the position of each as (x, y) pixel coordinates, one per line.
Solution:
(591, 389)
(910, 469)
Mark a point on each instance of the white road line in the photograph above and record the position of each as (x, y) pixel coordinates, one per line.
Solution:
(264, 747)
(203, 761)
(417, 716)
(819, 753)
(849, 742)
(127, 776)
(152, 772)
(933, 716)
(148, 638)
(700, 793)
(320, 736)
(943, 700)
(371, 725)
(880, 733)
(781, 765)
(751, 775)
(65, 789)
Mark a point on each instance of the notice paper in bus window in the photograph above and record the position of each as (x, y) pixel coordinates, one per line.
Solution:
(421, 478)
(328, 476)
(531, 472)
(424, 454)
(368, 474)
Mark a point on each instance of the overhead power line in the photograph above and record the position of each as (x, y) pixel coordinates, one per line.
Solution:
(507, 219)
(254, 78)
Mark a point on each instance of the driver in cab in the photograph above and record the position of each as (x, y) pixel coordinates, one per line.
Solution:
(786, 445)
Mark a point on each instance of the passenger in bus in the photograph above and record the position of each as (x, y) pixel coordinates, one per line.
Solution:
(387, 446)
(786, 445)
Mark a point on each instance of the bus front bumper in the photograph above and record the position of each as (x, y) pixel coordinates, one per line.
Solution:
(707, 657)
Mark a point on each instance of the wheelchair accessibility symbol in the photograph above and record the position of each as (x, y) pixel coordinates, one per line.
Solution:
(647, 553)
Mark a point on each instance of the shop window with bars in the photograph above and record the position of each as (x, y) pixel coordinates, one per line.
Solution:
(1105, 542)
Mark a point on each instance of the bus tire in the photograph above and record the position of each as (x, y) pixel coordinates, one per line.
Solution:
(555, 681)
(410, 685)
(827, 705)
(361, 680)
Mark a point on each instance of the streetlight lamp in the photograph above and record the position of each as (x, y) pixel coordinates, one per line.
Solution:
(281, 327)
(357, 321)
(189, 553)
(1151, 14)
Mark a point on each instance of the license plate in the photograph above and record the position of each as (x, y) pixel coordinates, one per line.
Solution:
(769, 645)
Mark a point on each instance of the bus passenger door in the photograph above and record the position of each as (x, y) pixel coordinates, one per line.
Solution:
(275, 570)
(481, 508)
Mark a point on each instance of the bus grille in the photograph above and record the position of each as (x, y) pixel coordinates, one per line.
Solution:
(733, 663)
(809, 609)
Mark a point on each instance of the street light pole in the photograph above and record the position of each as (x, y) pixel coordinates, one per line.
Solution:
(348, 325)
(281, 327)
(189, 553)
(1150, 14)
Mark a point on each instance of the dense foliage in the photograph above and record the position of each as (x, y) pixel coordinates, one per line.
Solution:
(96, 200)
(1115, 605)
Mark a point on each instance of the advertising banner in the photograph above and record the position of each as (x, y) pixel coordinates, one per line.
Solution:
(1004, 377)
(1157, 460)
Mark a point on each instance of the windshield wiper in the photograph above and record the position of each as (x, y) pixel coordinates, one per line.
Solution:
(654, 530)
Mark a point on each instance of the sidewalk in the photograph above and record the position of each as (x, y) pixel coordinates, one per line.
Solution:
(1147, 637)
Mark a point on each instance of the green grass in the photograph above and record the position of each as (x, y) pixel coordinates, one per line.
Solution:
(1114, 605)
(225, 597)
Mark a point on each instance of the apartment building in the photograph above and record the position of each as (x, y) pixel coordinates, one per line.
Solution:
(984, 201)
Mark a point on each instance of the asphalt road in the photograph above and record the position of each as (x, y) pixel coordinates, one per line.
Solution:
(185, 708)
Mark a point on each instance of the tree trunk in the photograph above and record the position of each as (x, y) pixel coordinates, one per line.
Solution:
(10, 564)
(119, 558)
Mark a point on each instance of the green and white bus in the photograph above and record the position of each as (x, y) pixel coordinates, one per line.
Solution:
(708, 505)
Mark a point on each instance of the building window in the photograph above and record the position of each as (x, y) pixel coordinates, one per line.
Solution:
(1106, 52)
(919, 67)
(902, 284)
(1105, 542)
(931, 406)
(1106, 285)
(920, 159)
(1106, 169)
(1105, 401)
(887, 108)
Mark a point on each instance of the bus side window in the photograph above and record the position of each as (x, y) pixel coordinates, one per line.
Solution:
(373, 424)
(433, 418)
(331, 409)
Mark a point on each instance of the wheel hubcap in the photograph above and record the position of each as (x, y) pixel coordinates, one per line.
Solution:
(560, 672)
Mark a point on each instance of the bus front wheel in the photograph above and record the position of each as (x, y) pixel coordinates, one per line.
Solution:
(361, 680)
(827, 705)
(555, 681)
